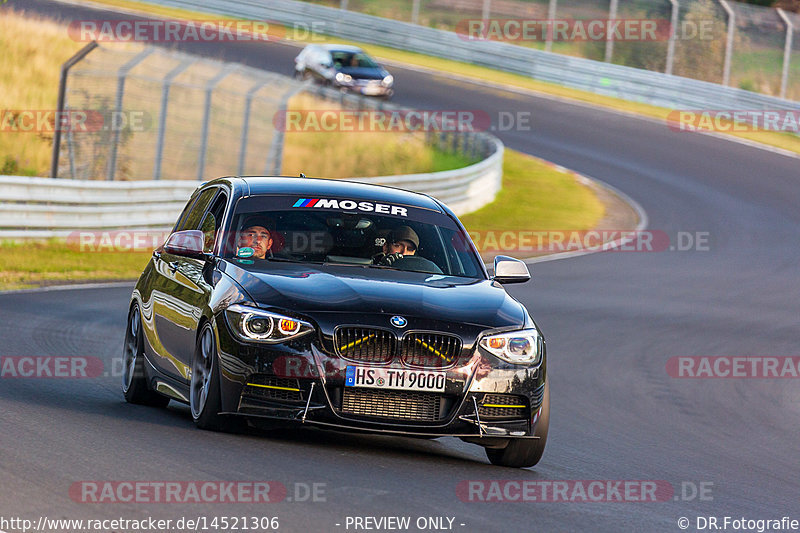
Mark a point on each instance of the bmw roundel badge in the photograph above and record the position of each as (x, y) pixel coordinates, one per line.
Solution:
(398, 321)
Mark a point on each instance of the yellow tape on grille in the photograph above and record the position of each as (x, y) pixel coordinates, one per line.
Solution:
(272, 387)
(431, 349)
(356, 342)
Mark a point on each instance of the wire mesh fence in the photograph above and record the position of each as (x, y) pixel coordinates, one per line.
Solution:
(167, 115)
(158, 114)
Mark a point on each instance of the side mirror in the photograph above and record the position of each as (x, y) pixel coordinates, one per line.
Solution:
(510, 270)
(187, 243)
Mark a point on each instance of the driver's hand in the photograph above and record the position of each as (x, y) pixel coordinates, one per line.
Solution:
(391, 258)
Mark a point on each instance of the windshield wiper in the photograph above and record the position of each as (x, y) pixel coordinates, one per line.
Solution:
(291, 260)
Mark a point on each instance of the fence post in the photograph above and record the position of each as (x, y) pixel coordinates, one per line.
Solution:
(726, 68)
(551, 15)
(71, 152)
(275, 153)
(612, 15)
(212, 83)
(122, 73)
(415, 12)
(62, 93)
(487, 10)
(787, 51)
(248, 102)
(162, 116)
(343, 5)
(673, 31)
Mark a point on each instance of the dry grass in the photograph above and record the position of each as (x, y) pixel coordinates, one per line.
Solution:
(33, 50)
(342, 154)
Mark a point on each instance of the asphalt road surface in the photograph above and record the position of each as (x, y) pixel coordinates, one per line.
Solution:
(612, 322)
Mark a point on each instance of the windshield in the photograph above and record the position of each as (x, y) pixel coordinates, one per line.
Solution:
(360, 233)
(350, 59)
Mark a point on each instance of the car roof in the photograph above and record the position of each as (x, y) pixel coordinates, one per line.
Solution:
(340, 48)
(311, 187)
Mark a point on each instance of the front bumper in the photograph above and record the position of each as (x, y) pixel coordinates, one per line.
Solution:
(301, 382)
(367, 90)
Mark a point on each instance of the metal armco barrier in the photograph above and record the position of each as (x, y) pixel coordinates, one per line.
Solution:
(46, 207)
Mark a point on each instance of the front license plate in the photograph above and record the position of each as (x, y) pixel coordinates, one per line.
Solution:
(370, 90)
(395, 378)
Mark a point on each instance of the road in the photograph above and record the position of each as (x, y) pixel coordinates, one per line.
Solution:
(612, 321)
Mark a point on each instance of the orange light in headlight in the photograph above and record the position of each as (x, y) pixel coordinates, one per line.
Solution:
(497, 343)
(287, 327)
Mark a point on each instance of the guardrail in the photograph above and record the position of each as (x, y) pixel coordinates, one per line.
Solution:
(46, 207)
(594, 76)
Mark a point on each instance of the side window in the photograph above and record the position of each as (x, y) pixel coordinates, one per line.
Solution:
(325, 59)
(184, 213)
(212, 220)
(195, 216)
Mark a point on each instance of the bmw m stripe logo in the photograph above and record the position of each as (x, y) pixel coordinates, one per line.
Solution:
(306, 202)
(398, 321)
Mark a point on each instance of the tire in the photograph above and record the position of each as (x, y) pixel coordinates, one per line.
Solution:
(522, 453)
(134, 381)
(204, 392)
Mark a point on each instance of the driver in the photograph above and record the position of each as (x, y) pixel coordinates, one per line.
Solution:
(401, 242)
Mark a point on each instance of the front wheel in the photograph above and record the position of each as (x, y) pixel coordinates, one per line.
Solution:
(522, 453)
(134, 382)
(204, 393)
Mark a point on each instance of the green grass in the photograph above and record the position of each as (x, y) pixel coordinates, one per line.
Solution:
(30, 264)
(535, 197)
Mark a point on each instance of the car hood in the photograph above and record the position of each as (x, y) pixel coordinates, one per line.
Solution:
(311, 289)
(364, 73)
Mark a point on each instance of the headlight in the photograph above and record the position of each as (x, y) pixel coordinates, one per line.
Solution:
(519, 347)
(255, 325)
(341, 77)
(388, 81)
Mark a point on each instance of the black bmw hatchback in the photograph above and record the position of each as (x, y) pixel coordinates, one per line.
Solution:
(340, 305)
